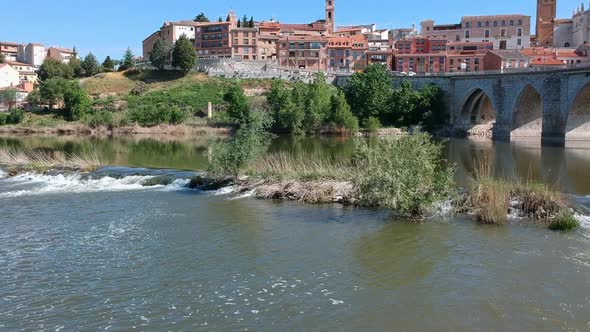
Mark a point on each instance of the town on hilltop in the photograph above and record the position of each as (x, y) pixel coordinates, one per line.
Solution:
(475, 44)
(273, 49)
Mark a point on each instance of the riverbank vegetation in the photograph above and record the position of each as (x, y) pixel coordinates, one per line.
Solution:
(493, 200)
(23, 160)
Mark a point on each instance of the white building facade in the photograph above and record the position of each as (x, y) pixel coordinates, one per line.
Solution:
(9, 77)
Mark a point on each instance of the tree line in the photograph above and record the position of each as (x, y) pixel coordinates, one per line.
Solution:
(182, 55)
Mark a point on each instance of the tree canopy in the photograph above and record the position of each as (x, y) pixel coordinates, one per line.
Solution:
(54, 68)
(108, 64)
(90, 65)
(184, 55)
(160, 54)
(201, 18)
(127, 61)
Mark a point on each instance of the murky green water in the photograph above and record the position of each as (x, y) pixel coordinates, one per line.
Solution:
(104, 252)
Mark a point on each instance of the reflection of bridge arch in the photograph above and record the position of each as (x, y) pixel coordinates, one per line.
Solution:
(578, 119)
(527, 117)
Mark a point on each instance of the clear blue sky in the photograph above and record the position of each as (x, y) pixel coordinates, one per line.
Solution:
(107, 27)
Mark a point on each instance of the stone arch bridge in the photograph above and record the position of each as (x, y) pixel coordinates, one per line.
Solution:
(553, 106)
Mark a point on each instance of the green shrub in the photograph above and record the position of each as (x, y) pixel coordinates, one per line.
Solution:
(372, 124)
(99, 118)
(15, 116)
(405, 175)
(153, 115)
(248, 144)
(564, 222)
(3, 118)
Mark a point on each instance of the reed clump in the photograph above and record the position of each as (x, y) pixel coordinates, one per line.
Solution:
(491, 200)
(38, 160)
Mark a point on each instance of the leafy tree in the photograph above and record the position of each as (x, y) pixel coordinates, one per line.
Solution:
(160, 54)
(238, 105)
(417, 107)
(108, 64)
(127, 62)
(8, 97)
(2, 58)
(52, 91)
(369, 92)
(251, 22)
(317, 103)
(76, 66)
(340, 114)
(54, 68)
(184, 55)
(286, 114)
(15, 116)
(201, 18)
(90, 65)
(77, 103)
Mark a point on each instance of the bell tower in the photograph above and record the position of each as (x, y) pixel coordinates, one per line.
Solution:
(546, 13)
(330, 17)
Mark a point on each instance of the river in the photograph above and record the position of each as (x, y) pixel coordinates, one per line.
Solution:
(105, 252)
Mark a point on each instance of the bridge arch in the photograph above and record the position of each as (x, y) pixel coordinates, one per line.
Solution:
(478, 110)
(578, 118)
(527, 115)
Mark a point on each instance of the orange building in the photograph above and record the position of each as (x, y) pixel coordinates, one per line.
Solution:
(347, 54)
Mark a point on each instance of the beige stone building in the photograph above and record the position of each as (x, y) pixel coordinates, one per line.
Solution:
(504, 31)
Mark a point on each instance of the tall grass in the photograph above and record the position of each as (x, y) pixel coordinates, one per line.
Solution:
(37, 160)
(285, 166)
(490, 199)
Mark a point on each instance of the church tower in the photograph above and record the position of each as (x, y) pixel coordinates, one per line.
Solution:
(330, 16)
(546, 13)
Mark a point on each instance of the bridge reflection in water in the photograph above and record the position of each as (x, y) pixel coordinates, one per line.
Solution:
(565, 167)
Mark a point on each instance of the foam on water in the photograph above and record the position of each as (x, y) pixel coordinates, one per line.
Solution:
(2, 174)
(76, 183)
(584, 220)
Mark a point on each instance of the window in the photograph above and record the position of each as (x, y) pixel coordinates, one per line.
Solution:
(503, 33)
(511, 22)
(467, 34)
(503, 23)
(495, 23)
(519, 32)
(467, 25)
(487, 23)
(487, 34)
(479, 24)
(519, 42)
(519, 22)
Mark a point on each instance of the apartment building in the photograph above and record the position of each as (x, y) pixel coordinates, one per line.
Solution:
(27, 73)
(384, 58)
(504, 31)
(60, 54)
(544, 56)
(8, 76)
(213, 40)
(302, 52)
(33, 54)
(9, 50)
(505, 60)
(347, 54)
(245, 43)
(267, 46)
(421, 55)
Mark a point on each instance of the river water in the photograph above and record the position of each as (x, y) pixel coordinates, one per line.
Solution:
(107, 252)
